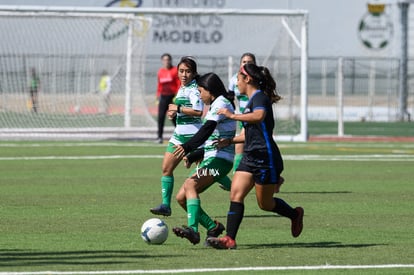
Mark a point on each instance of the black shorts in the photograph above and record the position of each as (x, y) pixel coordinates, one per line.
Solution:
(261, 174)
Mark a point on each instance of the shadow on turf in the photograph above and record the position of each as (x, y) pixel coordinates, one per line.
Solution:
(308, 245)
(10, 258)
(319, 192)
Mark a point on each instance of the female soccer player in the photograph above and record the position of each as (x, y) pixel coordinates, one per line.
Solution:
(216, 163)
(242, 100)
(187, 110)
(261, 164)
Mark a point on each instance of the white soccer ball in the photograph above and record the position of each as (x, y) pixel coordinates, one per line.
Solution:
(154, 231)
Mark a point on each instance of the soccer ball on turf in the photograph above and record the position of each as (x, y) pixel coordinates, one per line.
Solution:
(154, 231)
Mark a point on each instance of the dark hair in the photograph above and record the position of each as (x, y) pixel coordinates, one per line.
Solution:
(212, 83)
(166, 55)
(190, 62)
(263, 80)
(252, 56)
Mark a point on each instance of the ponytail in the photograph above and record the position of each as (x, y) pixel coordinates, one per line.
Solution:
(263, 80)
(269, 86)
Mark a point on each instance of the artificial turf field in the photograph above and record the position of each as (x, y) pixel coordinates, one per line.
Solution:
(79, 206)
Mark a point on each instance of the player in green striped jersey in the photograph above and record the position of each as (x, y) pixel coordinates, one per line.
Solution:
(216, 163)
(187, 111)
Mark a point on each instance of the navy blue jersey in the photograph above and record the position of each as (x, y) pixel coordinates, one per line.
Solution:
(260, 149)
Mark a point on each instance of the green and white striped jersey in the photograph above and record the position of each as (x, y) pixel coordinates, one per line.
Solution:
(187, 96)
(226, 128)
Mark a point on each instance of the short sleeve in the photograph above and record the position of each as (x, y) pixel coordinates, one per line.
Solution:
(260, 102)
(195, 100)
(212, 113)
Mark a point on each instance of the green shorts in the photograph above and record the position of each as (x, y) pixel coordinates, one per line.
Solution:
(216, 167)
(170, 148)
(181, 140)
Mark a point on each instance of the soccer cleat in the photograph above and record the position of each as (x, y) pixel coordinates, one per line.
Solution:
(277, 186)
(222, 243)
(162, 209)
(297, 223)
(188, 233)
(215, 232)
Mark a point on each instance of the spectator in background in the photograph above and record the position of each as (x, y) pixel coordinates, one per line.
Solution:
(105, 91)
(34, 86)
(167, 88)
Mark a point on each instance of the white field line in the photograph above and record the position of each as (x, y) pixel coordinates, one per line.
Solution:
(199, 270)
(149, 144)
(81, 144)
(85, 157)
(375, 157)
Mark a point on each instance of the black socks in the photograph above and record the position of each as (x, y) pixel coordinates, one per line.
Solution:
(284, 209)
(234, 218)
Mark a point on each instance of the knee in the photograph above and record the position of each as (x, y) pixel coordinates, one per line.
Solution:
(189, 186)
(181, 199)
(166, 170)
(266, 206)
(236, 196)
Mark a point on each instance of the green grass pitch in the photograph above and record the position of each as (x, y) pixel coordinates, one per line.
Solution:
(79, 206)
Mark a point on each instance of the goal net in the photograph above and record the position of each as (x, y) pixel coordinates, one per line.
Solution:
(91, 72)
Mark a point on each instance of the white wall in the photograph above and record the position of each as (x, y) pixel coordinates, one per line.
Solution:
(333, 24)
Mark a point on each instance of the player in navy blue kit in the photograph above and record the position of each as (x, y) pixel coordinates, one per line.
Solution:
(261, 164)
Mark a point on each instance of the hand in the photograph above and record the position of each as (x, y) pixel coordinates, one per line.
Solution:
(179, 151)
(187, 163)
(172, 111)
(172, 107)
(221, 143)
(225, 112)
(171, 115)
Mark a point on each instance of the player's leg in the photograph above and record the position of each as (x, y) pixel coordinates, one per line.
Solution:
(32, 98)
(204, 219)
(209, 171)
(162, 110)
(35, 101)
(169, 163)
(218, 168)
(266, 201)
(192, 186)
(238, 150)
(107, 99)
(241, 185)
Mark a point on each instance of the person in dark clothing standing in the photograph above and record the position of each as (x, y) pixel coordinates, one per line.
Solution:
(34, 86)
(168, 85)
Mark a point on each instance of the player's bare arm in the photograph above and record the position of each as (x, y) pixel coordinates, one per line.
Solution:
(254, 117)
(173, 109)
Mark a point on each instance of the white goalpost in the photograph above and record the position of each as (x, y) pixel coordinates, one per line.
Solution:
(53, 58)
